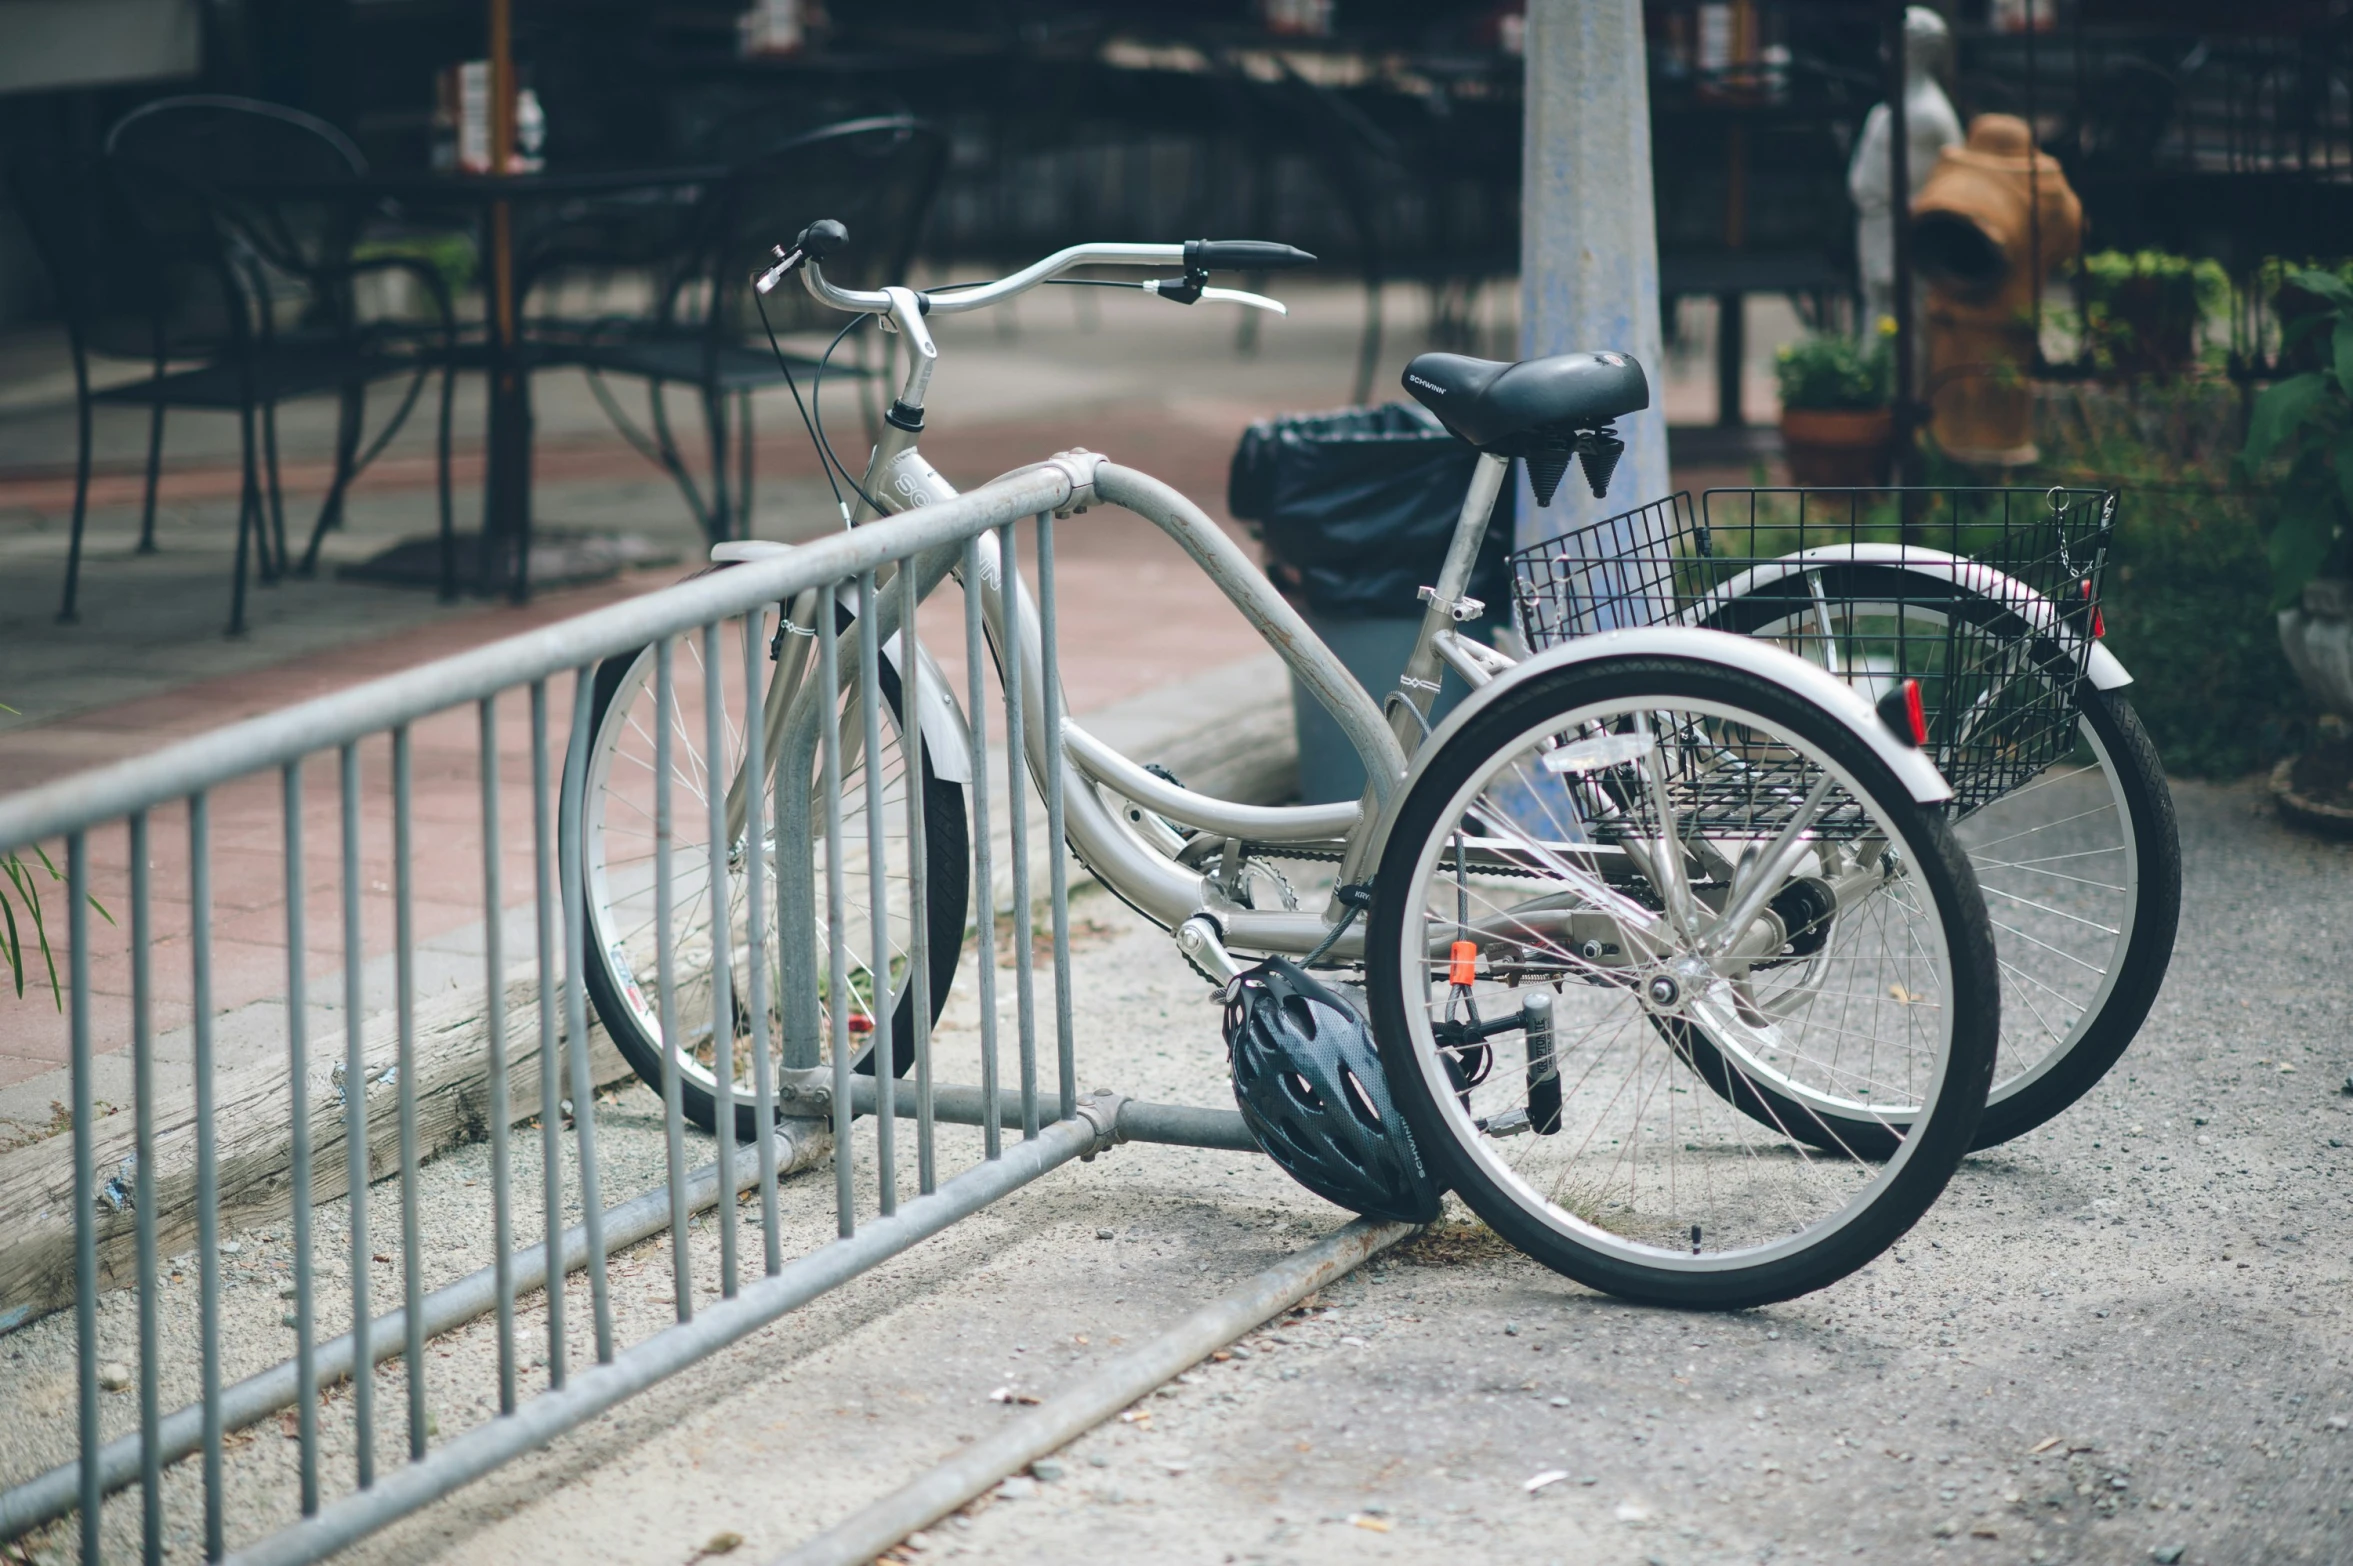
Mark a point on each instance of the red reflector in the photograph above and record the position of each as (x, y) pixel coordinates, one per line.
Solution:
(1914, 713)
(2099, 623)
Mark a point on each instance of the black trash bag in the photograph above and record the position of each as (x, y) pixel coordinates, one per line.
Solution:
(1357, 508)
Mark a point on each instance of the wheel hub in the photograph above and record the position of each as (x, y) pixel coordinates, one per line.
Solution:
(1671, 986)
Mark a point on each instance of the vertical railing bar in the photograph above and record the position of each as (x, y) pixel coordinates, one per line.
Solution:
(666, 976)
(1017, 817)
(143, 1195)
(1057, 855)
(755, 867)
(837, 980)
(494, 976)
(306, 1369)
(715, 775)
(208, 1179)
(355, 1123)
(85, 1116)
(882, 1046)
(572, 858)
(404, 967)
(984, 896)
(918, 881)
(551, 1132)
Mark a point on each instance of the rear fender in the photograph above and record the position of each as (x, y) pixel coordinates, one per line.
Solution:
(1810, 682)
(2099, 665)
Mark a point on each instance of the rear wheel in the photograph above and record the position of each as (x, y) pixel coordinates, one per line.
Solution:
(1662, 1123)
(2062, 809)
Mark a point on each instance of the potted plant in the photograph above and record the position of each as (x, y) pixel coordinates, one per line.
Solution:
(1836, 426)
(2300, 436)
(2142, 310)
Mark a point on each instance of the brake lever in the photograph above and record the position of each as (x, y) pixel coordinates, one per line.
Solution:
(1240, 297)
(766, 282)
(1192, 290)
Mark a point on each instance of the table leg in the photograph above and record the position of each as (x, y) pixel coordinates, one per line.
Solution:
(506, 493)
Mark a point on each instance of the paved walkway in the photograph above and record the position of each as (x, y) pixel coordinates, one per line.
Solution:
(2122, 1335)
(1157, 389)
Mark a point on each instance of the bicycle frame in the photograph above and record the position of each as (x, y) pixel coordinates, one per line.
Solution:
(1142, 865)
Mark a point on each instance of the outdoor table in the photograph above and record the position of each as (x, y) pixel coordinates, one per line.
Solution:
(490, 201)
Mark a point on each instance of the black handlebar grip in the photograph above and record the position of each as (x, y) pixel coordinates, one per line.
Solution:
(1242, 255)
(822, 239)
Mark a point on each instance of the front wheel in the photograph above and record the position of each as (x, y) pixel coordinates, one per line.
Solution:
(1621, 1083)
(618, 842)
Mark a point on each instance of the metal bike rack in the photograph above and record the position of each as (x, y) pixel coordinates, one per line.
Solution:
(804, 1110)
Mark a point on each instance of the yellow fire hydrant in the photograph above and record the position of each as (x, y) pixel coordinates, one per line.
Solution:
(1995, 216)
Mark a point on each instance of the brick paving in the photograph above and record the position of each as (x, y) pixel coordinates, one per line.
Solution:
(1135, 615)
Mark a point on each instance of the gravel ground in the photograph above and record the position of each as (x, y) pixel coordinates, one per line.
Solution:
(2123, 1338)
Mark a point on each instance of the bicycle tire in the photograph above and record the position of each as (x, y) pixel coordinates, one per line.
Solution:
(2028, 1092)
(1887, 1195)
(948, 871)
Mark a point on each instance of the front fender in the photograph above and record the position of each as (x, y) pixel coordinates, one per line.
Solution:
(1810, 682)
(946, 736)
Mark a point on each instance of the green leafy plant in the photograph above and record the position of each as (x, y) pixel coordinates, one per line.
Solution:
(2187, 594)
(19, 886)
(2300, 436)
(1831, 373)
(2143, 310)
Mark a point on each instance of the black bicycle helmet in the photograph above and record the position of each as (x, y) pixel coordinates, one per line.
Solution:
(1310, 1087)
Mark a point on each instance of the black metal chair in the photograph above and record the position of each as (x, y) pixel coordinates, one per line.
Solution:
(260, 201)
(877, 175)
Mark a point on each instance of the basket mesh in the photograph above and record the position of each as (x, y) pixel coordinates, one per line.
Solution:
(1988, 597)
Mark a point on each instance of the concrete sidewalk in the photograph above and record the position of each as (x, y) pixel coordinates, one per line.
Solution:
(2121, 1337)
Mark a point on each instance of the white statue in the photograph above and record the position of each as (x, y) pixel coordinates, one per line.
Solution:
(1930, 126)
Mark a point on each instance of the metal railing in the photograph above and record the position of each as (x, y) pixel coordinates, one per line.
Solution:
(803, 1104)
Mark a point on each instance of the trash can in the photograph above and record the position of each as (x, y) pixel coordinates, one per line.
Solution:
(1356, 509)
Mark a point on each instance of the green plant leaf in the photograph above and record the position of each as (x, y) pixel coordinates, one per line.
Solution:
(12, 944)
(2341, 349)
(2300, 541)
(2344, 460)
(2327, 285)
(2282, 407)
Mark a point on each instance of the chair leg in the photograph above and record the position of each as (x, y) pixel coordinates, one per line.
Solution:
(271, 554)
(347, 450)
(154, 471)
(67, 614)
(722, 520)
(249, 517)
(347, 432)
(743, 464)
(449, 537)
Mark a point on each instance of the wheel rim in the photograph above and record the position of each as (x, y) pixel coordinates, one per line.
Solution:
(2057, 858)
(617, 820)
(1654, 1162)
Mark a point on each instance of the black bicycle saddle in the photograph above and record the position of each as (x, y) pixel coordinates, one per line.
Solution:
(1540, 409)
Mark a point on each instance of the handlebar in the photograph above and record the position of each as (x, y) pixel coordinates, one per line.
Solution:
(1198, 257)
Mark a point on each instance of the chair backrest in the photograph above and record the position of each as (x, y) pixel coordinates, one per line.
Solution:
(877, 175)
(119, 293)
(267, 171)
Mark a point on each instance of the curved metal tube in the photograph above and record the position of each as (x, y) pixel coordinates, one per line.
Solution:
(1325, 677)
(960, 300)
(1254, 823)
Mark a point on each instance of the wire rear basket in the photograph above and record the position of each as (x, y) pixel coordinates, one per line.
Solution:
(1990, 598)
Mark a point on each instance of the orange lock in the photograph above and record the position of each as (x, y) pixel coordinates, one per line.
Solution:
(1462, 966)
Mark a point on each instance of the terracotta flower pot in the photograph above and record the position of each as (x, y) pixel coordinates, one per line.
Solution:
(1838, 447)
